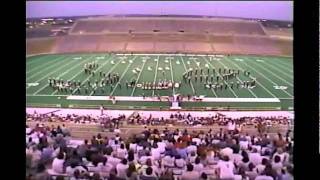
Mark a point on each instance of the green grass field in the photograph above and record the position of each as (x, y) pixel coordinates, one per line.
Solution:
(274, 79)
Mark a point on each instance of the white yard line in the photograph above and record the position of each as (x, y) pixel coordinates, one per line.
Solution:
(186, 71)
(155, 75)
(267, 79)
(215, 94)
(49, 74)
(89, 58)
(44, 64)
(172, 77)
(129, 65)
(275, 75)
(276, 67)
(257, 80)
(221, 78)
(47, 67)
(83, 82)
(79, 64)
(134, 88)
(240, 81)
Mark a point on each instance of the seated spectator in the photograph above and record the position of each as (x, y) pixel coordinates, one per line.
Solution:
(132, 173)
(225, 168)
(121, 152)
(155, 169)
(179, 162)
(244, 163)
(255, 157)
(93, 166)
(149, 175)
(251, 173)
(57, 164)
(197, 166)
(168, 161)
(143, 159)
(277, 164)
(192, 157)
(121, 168)
(105, 167)
(155, 152)
(73, 167)
(203, 176)
(260, 167)
(190, 174)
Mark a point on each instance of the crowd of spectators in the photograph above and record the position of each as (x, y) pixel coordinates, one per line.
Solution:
(153, 154)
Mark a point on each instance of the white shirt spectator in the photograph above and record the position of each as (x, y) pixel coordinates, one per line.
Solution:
(122, 170)
(226, 169)
(226, 152)
(236, 158)
(70, 170)
(197, 140)
(277, 167)
(191, 148)
(121, 153)
(168, 161)
(198, 167)
(155, 153)
(93, 168)
(191, 159)
(161, 146)
(143, 159)
(105, 168)
(113, 160)
(243, 144)
(260, 168)
(255, 158)
(190, 175)
(133, 146)
(57, 165)
(180, 163)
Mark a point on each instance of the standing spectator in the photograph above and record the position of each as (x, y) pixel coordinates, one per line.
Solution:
(225, 168)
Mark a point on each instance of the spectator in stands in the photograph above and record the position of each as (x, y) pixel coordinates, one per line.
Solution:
(225, 168)
(132, 173)
(121, 168)
(198, 166)
(277, 164)
(190, 174)
(58, 162)
(179, 162)
(73, 167)
(149, 175)
(105, 167)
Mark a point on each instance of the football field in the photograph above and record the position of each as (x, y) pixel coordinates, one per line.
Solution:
(273, 88)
